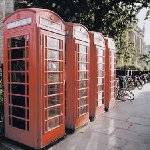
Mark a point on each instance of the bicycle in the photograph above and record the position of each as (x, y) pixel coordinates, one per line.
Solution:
(122, 92)
(138, 82)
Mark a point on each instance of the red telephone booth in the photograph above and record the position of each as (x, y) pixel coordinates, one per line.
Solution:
(97, 66)
(34, 45)
(110, 73)
(77, 76)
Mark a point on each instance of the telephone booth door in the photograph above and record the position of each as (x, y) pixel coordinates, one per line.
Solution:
(17, 84)
(110, 74)
(77, 76)
(97, 66)
(53, 82)
(113, 73)
(34, 46)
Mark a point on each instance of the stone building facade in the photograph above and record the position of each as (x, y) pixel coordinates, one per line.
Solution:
(137, 37)
(6, 7)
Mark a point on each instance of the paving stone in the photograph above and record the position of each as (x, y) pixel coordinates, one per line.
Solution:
(87, 141)
(140, 121)
(136, 146)
(132, 136)
(119, 116)
(126, 127)
(111, 123)
(140, 129)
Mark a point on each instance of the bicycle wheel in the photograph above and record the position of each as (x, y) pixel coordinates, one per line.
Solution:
(139, 85)
(120, 95)
(128, 95)
(141, 82)
(131, 86)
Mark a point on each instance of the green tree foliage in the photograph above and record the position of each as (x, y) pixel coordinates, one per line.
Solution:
(110, 17)
(126, 50)
(145, 58)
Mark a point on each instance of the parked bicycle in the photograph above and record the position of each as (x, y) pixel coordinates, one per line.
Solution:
(122, 91)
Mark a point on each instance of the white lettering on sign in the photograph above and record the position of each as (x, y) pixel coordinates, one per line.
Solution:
(80, 33)
(111, 44)
(98, 40)
(49, 23)
(19, 23)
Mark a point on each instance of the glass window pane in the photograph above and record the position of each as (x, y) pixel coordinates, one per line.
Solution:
(27, 88)
(100, 88)
(112, 54)
(112, 84)
(27, 65)
(82, 110)
(53, 66)
(100, 103)
(82, 75)
(18, 77)
(100, 52)
(82, 84)
(17, 41)
(18, 89)
(18, 112)
(9, 120)
(100, 59)
(82, 66)
(100, 81)
(112, 95)
(82, 57)
(100, 67)
(112, 77)
(112, 60)
(27, 75)
(100, 73)
(82, 49)
(112, 69)
(52, 123)
(18, 123)
(54, 111)
(112, 90)
(18, 100)
(27, 52)
(17, 65)
(100, 95)
(82, 93)
(54, 78)
(54, 100)
(27, 40)
(53, 55)
(82, 102)
(17, 53)
(54, 89)
(52, 43)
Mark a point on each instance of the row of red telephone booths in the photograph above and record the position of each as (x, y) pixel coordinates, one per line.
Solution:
(57, 75)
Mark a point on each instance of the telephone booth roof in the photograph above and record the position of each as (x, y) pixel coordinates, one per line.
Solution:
(31, 16)
(111, 43)
(99, 39)
(77, 29)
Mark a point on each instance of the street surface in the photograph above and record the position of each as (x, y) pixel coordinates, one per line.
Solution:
(126, 127)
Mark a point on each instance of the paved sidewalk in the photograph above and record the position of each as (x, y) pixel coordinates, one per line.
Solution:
(126, 127)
